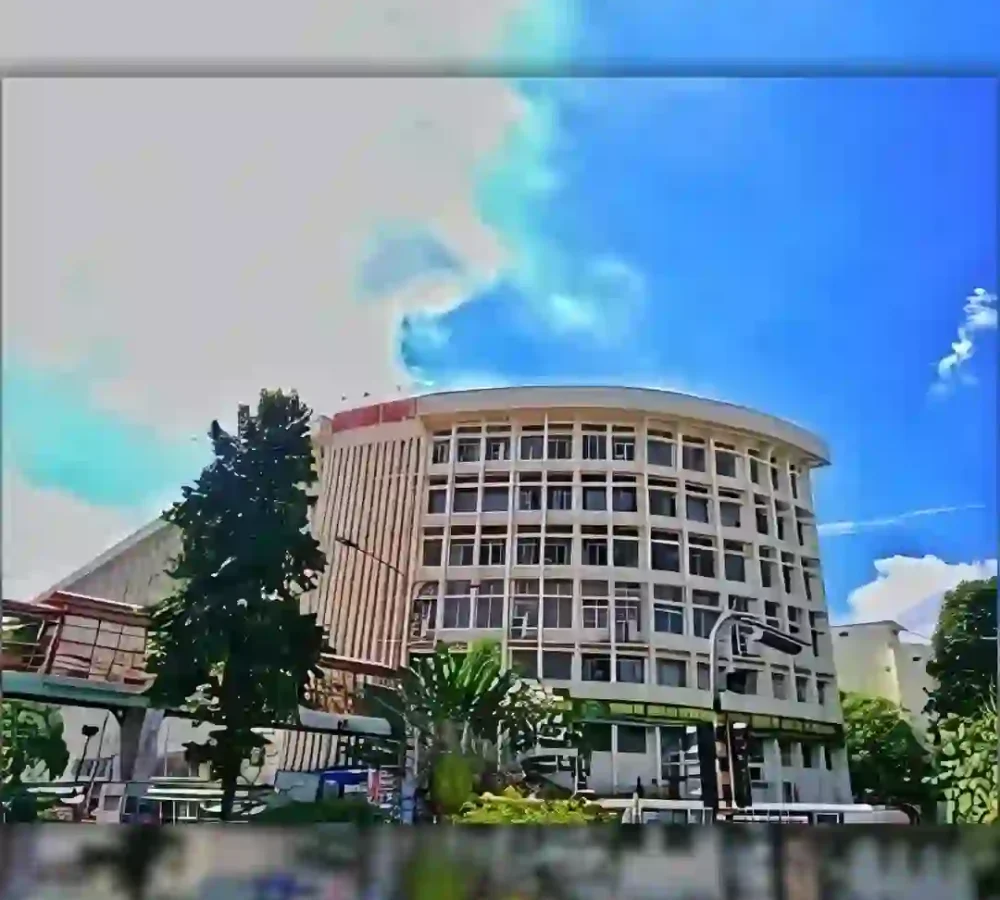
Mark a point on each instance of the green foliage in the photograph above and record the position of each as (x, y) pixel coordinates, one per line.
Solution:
(231, 644)
(358, 812)
(31, 739)
(466, 706)
(452, 781)
(966, 765)
(511, 808)
(887, 763)
(964, 665)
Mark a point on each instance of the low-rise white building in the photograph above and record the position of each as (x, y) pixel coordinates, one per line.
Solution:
(871, 658)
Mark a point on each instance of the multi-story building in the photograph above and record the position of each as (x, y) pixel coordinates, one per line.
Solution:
(597, 534)
(871, 659)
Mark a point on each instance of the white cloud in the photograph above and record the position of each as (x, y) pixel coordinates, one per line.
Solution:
(838, 529)
(909, 590)
(980, 315)
(200, 239)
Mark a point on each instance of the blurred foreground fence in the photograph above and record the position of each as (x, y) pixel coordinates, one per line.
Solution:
(387, 863)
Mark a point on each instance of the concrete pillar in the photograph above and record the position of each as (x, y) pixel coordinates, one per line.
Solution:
(139, 737)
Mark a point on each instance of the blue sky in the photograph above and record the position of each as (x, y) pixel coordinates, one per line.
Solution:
(804, 246)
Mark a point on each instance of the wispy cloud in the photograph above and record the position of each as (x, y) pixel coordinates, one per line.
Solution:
(838, 529)
(980, 315)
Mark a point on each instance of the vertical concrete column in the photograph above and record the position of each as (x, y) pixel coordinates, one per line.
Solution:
(139, 739)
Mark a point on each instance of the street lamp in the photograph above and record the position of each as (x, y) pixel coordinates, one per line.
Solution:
(761, 635)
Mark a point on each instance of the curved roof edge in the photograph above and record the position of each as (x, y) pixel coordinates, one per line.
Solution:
(651, 400)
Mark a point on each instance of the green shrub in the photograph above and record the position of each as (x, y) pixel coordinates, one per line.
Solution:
(511, 808)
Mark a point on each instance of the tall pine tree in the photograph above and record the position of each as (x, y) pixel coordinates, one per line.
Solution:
(231, 645)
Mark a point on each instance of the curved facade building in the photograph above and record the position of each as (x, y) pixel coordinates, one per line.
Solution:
(598, 534)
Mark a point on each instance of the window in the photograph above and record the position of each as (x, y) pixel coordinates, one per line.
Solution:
(524, 663)
(760, 511)
(468, 450)
(665, 551)
(671, 672)
(807, 756)
(743, 681)
(594, 602)
(595, 498)
(441, 451)
(529, 497)
(821, 695)
(631, 739)
(557, 604)
(755, 467)
(623, 499)
(774, 473)
(432, 551)
(701, 556)
(794, 620)
(598, 736)
(779, 685)
(828, 752)
(772, 613)
(595, 551)
(802, 688)
(493, 551)
(703, 677)
(788, 792)
(489, 604)
(561, 497)
(495, 499)
(465, 500)
(532, 446)
(668, 608)
(766, 567)
(498, 449)
(793, 478)
(662, 502)
(697, 509)
(631, 669)
(437, 500)
(595, 668)
(659, 452)
(461, 552)
(703, 620)
(705, 598)
(560, 446)
(558, 551)
(741, 604)
(693, 455)
(735, 562)
(557, 665)
(529, 550)
(725, 463)
(623, 448)
(628, 611)
(729, 513)
(785, 749)
(779, 522)
(524, 609)
(595, 446)
(456, 604)
(626, 551)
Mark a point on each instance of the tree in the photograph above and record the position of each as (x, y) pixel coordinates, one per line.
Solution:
(964, 664)
(966, 765)
(887, 763)
(31, 739)
(511, 808)
(470, 717)
(231, 645)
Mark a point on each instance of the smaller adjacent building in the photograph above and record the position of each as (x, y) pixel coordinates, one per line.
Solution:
(872, 658)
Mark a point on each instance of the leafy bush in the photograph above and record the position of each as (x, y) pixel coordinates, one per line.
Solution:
(511, 808)
(358, 812)
(966, 764)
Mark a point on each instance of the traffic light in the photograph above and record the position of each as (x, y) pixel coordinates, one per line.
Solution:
(739, 764)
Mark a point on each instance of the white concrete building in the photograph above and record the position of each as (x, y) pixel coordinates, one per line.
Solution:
(871, 658)
(598, 534)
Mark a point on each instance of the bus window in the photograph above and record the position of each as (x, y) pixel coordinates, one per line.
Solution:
(828, 818)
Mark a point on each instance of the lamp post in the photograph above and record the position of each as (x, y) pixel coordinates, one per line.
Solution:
(761, 635)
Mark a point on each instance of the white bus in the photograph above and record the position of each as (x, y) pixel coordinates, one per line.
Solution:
(693, 812)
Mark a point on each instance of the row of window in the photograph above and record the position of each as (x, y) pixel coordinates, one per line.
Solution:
(624, 549)
(622, 495)
(464, 605)
(595, 445)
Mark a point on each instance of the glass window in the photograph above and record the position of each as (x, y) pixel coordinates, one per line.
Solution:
(702, 621)
(457, 603)
(461, 552)
(557, 609)
(802, 688)
(725, 463)
(668, 618)
(665, 551)
(532, 446)
(662, 503)
(595, 446)
(659, 453)
(441, 451)
(595, 498)
(735, 566)
(465, 500)
(497, 449)
(560, 446)
(779, 685)
(524, 663)
(785, 749)
(701, 561)
(597, 736)
(561, 497)
(594, 604)
(671, 672)
(529, 497)
(489, 604)
(631, 669)
(529, 550)
(623, 448)
(697, 509)
(557, 665)
(595, 668)
(436, 500)
(468, 450)
(595, 551)
(693, 457)
(703, 677)
(495, 499)
(729, 513)
(626, 553)
(623, 499)
(492, 551)
(631, 738)
(558, 551)
(432, 551)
